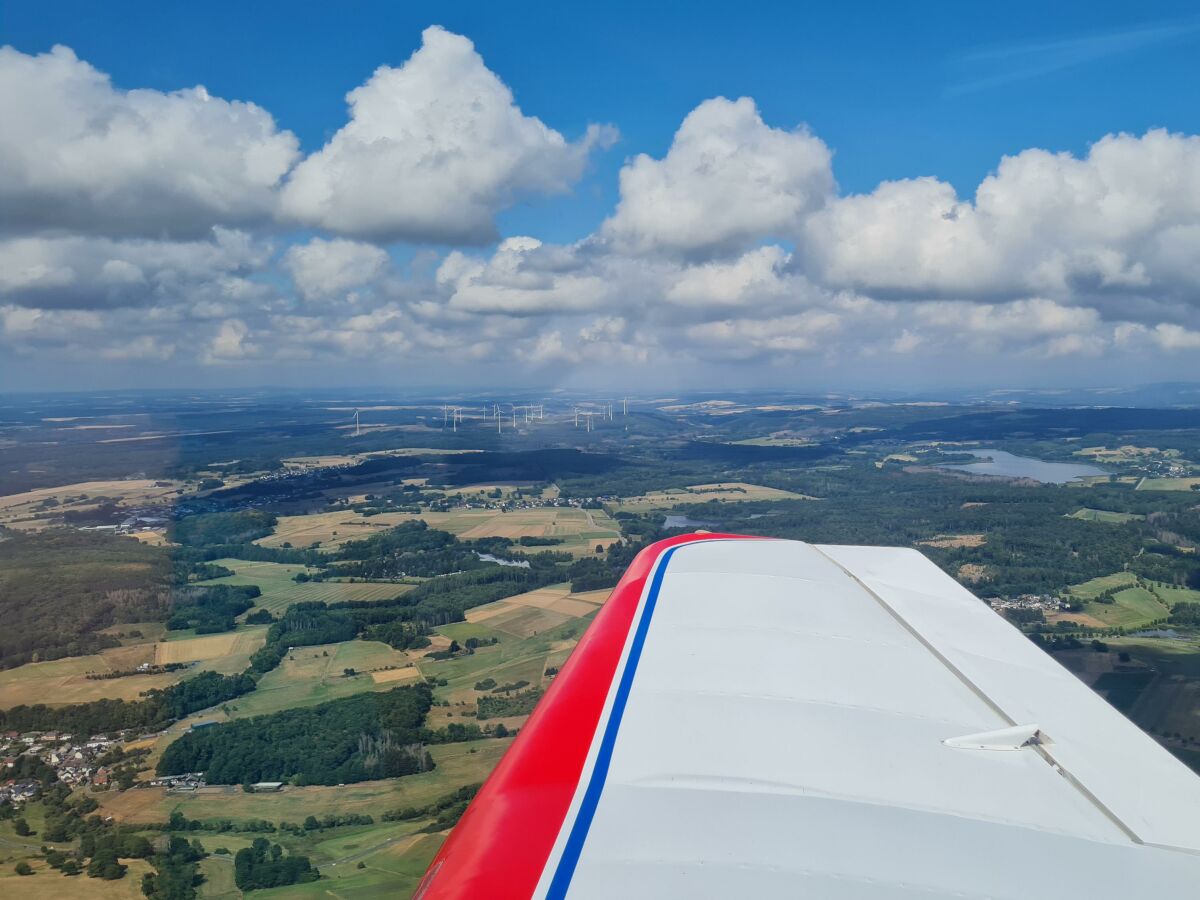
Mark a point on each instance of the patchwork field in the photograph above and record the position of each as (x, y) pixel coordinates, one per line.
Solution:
(280, 590)
(579, 529)
(530, 613)
(329, 529)
(512, 659)
(729, 491)
(312, 675)
(1131, 608)
(63, 681)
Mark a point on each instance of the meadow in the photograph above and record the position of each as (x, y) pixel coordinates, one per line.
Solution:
(280, 590)
(725, 491)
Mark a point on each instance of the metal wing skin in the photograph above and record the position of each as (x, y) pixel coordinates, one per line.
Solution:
(752, 717)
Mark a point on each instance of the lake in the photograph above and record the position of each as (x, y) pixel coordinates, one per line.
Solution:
(999, 462)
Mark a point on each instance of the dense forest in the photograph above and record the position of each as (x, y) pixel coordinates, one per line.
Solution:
(59, 588)
(373, 735)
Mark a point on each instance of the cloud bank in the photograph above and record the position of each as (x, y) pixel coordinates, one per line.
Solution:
(180, 229)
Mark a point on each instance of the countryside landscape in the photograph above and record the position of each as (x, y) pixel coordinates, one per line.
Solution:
(316, 623)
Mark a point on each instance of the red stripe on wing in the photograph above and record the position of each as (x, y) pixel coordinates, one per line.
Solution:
(500, 846)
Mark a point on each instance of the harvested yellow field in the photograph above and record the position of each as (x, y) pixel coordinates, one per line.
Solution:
(390, 675)
(63, 681)
(730, 491)
(488, 611)
(556, 599)
(48, 884)
(951, 541)
(135, 490)
(329, 529)
(579, 529)
(234, 646)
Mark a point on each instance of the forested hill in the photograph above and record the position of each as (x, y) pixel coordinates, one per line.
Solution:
(58, 588)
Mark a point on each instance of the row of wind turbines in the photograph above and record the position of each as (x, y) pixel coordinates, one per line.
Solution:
(531, 413)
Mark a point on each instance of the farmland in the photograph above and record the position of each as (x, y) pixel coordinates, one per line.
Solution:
(64, 681)
(1168, 484)
(580, 530)
(725, 491)
(280, 590)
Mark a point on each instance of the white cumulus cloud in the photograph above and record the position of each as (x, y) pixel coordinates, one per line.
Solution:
(728, 181)
(78, 154)
(433, 151)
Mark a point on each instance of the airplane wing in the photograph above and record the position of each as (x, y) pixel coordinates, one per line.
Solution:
(766, 718)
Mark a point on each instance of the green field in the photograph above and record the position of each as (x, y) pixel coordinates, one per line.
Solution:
(307, 676)
(1172, 594)
(1133, 607)
(1167, 484)
(389, 872)
(1089, 590)
(513, 659)
(279, 590)
(1103, 515)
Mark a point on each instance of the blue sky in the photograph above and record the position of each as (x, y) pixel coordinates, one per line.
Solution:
(682, 260)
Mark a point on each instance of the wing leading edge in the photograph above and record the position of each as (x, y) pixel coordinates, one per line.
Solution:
(760, 717)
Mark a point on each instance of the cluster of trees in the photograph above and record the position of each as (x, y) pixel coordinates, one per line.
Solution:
(495, 706)
(1185, 614)
(265, 865)
(176, 872)
(211, 609)
(373, 735)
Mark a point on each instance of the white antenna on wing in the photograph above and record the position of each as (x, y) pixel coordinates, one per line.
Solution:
(356, 430)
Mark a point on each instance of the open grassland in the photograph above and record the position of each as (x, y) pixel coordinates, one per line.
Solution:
(1131, 608)
(329, 529)
(280, 590)
(729, 491)
(64, 681)
(227, 653)
(456, 765)
(1167, 484)
(1104, 515)
(390, 871)
(1172, 594)
(218, 876)
(312, 675)
(49, 884)
(512, 659)
(1089, 590)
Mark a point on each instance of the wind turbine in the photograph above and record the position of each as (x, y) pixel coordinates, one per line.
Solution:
(356, 429)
